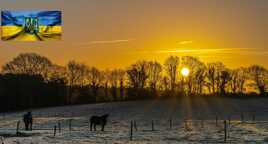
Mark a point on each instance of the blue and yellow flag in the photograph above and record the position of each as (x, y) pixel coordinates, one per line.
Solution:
(31, 25)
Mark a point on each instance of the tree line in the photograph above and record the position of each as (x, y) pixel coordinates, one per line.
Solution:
(31, 80)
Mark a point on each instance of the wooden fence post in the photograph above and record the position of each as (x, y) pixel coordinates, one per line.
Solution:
(55, 130)
(216, 120)
(152, 125)
(225, 130)
(131, 130)
(18, 128)
(170, 123)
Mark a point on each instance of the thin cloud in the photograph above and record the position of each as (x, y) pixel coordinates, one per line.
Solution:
(110, 41)
(185, 42)
(193, 50)
(202, 50)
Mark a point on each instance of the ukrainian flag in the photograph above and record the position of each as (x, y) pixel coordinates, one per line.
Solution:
(31, 25)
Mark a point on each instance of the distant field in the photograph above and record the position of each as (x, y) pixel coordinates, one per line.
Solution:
(200, 113)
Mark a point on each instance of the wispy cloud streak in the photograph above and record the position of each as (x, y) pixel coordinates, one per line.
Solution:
(202, 50)
(110, 41)
(185, 42)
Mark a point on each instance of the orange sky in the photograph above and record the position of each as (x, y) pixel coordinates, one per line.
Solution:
(116, 33)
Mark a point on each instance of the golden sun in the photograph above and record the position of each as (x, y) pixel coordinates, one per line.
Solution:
(185, 72)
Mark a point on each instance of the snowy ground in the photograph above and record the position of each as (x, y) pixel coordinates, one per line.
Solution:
(195, 110)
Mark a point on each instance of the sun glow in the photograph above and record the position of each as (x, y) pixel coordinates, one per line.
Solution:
(185, 72)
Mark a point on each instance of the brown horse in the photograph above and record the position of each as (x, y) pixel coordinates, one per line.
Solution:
(98, 120)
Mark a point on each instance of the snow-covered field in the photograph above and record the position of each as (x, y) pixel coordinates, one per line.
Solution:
(195, 110)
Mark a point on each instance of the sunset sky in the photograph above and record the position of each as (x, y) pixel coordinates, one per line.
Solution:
(116, 33)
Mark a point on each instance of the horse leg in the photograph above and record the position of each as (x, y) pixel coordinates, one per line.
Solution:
(91, 126)
(102, 127)
(94, 127)
(26, 126)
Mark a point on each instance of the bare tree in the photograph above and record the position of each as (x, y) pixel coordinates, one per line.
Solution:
(242, 77)
(137, 77)
(95, 78)
(28, 63)
(58, 73)
(225, 77)
(77, 73)
(260, 76)
(122, 78)
(196, 77)
(164, 86)
(214, 76)
(171, 67)
(115, 78)
(200, 78)
(211, 76)
(106, 82)
(154, 74)
(238, 79)
(76, 76)
(137, 74)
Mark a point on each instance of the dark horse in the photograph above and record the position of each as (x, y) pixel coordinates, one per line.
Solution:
(28, 120)
(98, 120)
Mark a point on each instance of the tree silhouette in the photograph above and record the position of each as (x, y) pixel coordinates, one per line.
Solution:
(137, 74)
(237, 79)
(260, 76)
(171, 67)
(28, 63)
(116, 79)
(195, 79)
(122, 78)
(214, 79)
(137, 77)
(31, 80)
(225, 77)
(211, 76)
(154, 75)
(76, 73)
(95, 78)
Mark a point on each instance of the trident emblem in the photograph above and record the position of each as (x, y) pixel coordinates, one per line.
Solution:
(31, 25)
